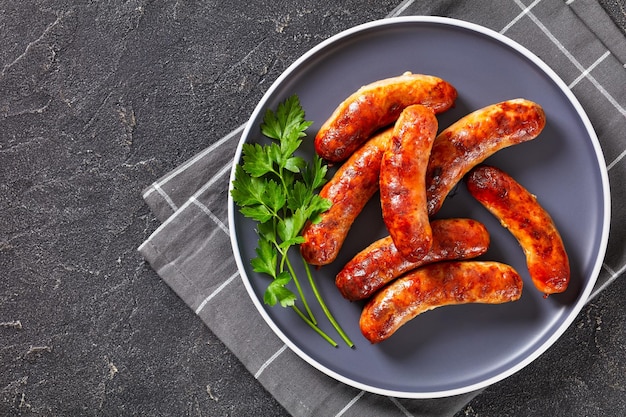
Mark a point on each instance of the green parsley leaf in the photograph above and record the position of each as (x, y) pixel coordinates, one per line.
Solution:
(295, 164)
(314, 175)
(289, 227)
(300, 196)
(267, 231)
(276, 188)
(287, 124)
(271, 126)
(256, 160)
(317, 206)
(274, 196)
(247, 190)
(267, 260)
(277, 292)
(260, 213)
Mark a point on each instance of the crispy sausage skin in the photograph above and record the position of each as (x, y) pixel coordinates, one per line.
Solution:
(475, 137)
(352, 186)
(436, 285)
(381, 262)
(520, 213)
(375, 106)
(402, 181)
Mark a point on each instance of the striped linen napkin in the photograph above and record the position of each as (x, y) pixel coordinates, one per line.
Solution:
(191, 249)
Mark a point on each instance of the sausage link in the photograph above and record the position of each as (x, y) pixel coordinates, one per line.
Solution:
(402, 181)
(474, 138)
(375, 106)
(519, 211)
(436, 285)
(352, 186)
(381, 262)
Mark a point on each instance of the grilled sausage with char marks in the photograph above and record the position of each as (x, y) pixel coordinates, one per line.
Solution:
(375, 106)
(436, 285)
(381, 262)
(475, 137)
(519, 211)
(402, 182)
(352, 186)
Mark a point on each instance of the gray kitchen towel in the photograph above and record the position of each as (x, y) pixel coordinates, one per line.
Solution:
(191, 249)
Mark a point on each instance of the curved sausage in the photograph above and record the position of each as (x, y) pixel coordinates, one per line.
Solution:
(375, 106)
(402, 181)
(352, 186)
(474, 138)
(381, 262)
(520, 213)
(436, 285)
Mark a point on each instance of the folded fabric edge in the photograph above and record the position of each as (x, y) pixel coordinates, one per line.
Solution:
(164, 195)
(598, 21)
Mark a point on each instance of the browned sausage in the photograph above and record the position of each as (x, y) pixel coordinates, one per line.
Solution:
(381, 262)
(473, 139)
(402, 181)
(352, 186)
(519, 212)
(375, 106)
(436, 285)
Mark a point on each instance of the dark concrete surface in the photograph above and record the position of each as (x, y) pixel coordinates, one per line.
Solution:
(98, 99)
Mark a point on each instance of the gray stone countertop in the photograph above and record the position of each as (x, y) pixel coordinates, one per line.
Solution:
(98, 99)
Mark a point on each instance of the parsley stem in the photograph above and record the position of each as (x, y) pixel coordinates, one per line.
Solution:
(313, 326)
(320, 300)
(297, 282)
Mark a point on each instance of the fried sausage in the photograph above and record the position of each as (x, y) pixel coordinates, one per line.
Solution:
(352, 186)
(474, 138)
(381, 262)
(402, 181)
(436, 285)
(519, 211)
(375, 106)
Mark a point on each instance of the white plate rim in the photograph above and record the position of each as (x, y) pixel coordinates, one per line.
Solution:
(261, 107)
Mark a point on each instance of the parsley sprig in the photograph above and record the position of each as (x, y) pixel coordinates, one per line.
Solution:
(278, 190)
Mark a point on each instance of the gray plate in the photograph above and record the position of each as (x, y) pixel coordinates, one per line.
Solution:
(450, 350)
